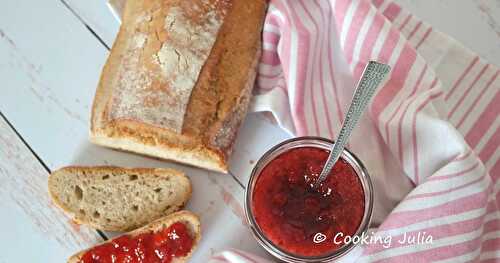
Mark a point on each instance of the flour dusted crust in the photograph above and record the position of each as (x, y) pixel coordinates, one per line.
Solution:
(163, 60)
(178, 80)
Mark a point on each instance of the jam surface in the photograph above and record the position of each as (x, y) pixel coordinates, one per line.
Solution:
(161, 246)
(290, 212)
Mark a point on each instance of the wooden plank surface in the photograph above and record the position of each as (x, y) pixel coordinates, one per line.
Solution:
(33, 230)
(50, 72)
(51, 54)
(96, 15)
(50, 67)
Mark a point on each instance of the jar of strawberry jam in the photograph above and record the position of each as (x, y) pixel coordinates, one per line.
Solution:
(297, 222)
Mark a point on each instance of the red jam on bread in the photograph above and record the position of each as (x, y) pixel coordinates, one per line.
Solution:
(290, 212)
(161, 246)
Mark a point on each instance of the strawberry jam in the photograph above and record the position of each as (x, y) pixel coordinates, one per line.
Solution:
(161, 246)
(290, 212)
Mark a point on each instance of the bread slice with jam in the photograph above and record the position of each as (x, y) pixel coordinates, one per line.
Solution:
(155, 239)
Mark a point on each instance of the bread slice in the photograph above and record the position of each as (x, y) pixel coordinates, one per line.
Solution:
(118, 199)
(138, 105)
(186, 217)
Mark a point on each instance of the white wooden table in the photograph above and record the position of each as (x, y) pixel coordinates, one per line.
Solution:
(51, 54)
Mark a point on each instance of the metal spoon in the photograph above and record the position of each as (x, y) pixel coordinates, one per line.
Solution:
(372, 76)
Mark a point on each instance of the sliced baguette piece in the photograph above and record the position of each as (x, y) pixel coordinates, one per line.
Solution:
(118, 199)
(189, 219)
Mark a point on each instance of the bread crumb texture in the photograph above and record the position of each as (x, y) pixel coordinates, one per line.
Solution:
(118, 199)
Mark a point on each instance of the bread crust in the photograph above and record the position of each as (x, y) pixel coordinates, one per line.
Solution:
(112, 169)
(218, 102)
(190, 219)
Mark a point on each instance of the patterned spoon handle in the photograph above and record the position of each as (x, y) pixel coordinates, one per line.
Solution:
(372, 76)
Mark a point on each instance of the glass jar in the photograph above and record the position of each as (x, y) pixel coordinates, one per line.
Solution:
(285, 146)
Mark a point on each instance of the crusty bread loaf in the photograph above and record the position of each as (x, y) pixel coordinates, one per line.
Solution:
(188, 218)
(178, 80)
(118, 199)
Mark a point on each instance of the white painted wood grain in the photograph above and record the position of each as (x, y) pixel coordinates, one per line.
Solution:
(50, 67)
(96, 15)
(50, 72)
(32, 228)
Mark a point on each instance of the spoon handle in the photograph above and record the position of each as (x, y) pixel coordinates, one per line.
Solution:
(372, 76)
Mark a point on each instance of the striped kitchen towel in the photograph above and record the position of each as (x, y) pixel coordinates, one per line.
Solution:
(431, 138)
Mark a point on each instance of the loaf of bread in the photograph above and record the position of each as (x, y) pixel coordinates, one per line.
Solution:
(189, 219)
(118, 199)
(178, 80)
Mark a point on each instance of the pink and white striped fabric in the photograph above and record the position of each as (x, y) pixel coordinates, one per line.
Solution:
(431, 139)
